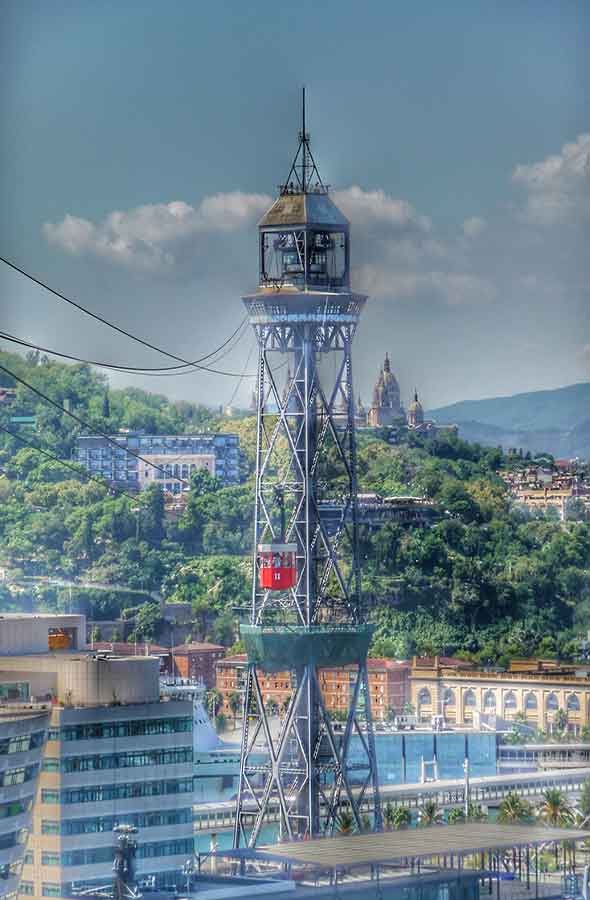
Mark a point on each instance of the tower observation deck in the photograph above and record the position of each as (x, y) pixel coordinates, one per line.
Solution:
(306, 611)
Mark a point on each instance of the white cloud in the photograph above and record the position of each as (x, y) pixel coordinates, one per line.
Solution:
(452, 288)
(558, 187)
(370, 209)
(149, 236)
(473, 227)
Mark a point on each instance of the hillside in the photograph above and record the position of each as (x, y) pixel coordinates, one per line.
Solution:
(556, 421)
(486, 579)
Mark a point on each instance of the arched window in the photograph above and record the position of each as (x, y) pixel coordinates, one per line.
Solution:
(424, 698)
(552, 702)
(449, 697)
(573, 703)
(489, 700)
(530, 701)
(510, 700)
(469, 698)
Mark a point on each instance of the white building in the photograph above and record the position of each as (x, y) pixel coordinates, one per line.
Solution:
(115, 754)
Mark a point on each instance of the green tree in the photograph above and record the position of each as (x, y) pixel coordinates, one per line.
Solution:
(345, 822)
(554, 808)
(234, 701)
(429, 814)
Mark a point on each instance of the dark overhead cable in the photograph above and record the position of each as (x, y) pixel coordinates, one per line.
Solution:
(87, 425)
(104, 321)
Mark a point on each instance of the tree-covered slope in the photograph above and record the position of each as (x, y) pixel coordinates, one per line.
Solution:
(485, 579)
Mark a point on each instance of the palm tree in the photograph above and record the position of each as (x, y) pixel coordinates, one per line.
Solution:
(388, 814)
(513, 809)
(402, 818)
(366, 826)
(554, 808)
(234, 701)
(429, 814)
(455, 816)
(345, 822)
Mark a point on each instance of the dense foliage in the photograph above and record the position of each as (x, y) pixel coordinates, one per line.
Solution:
(485, 580)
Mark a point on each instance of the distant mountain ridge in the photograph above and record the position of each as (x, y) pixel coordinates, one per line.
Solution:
(557, 421)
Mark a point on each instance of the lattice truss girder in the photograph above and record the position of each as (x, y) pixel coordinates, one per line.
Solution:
(303, 427)
(277, 766)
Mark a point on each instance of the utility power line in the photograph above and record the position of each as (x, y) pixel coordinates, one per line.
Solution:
(136, 370)
(99, 318)
(87, 425)
(81, 472)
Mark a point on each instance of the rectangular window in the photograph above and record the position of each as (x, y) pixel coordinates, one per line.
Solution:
(49, 858)
(51, 764)
(26, 887)
(48, 796)
(49, 826)
(49, 889)
(29, 858)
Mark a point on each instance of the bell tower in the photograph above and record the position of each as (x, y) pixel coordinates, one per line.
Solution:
(307, 620)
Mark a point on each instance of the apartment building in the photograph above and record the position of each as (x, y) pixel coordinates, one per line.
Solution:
(389, 685)
(177, 456)
(196, 661)
(115, 754)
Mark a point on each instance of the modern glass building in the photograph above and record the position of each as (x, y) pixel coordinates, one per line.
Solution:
(115, 753)
(178, 455)
(23, 733)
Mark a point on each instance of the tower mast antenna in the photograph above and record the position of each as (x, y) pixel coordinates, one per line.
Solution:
(304, 143)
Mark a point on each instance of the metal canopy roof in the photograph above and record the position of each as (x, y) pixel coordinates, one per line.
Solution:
(304, 209)
(417, 843)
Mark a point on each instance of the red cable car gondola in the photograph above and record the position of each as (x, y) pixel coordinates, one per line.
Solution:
(277, 569)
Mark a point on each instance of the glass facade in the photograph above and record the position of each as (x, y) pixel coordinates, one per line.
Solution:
(132, 760)
(400, 756)
(99, 792)
(22, 743)
(100, 824)
(100, 457)
(134, 728)
(18, 775)
(92, 855)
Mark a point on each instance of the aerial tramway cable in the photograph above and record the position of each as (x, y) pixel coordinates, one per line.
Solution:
(87, 425)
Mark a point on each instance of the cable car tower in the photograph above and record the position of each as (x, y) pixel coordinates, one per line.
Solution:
(307, 633)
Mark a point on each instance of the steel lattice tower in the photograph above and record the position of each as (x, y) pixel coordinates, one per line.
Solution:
(307, 613)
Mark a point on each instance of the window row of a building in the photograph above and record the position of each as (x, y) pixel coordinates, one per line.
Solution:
(131, 760)
(130, 728)
(99, 792)
(490, 699)
(100, 824)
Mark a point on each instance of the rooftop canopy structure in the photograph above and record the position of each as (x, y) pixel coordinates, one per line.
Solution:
(390, 847)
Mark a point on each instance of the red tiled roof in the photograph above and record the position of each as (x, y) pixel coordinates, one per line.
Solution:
(375, 662)
(237, 659)
(197, 647)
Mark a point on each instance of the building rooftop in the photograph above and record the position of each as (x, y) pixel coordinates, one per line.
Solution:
(196, 646)
(386, 847)
(122, 648)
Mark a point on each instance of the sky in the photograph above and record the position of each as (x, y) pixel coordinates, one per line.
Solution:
(142, 141)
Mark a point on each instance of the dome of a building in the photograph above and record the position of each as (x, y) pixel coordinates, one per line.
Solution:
(415, 411)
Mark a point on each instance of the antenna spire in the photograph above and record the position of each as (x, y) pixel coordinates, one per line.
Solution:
(303, 169)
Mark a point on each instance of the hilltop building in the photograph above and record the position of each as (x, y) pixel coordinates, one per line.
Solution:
(387, 409)
(179, 455)
(115, 753)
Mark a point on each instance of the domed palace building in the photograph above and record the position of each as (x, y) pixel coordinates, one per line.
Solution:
(387, 410)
